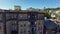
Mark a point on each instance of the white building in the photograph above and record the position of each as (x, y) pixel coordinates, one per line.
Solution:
(58, 15)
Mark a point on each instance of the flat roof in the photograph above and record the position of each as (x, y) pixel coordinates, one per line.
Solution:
(39, 11)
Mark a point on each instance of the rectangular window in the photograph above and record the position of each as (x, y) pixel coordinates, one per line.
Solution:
(21, 25)
(22, 16)
(14, 16)
(40, 16)
(0, 27)
(24, 25)
(21, 31)
(1, 16)
(8, 16)
(25, 31)
(14, 25)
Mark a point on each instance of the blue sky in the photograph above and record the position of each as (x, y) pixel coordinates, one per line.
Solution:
(9, 4)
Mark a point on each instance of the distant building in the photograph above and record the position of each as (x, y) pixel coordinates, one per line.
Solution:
(21, 22)
(58, 15)
(17, 7)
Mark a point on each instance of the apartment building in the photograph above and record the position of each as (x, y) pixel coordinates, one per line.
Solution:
(1, 28)
(21, 22)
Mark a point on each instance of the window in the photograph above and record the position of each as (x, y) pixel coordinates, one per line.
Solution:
(35, 22)
(0, 32)
(28, 16)
(0, 16)
(9, 16)
(14, 25)
(39, 28)
(25, 17)
(22, 16)
(21, 31)
(29, 32)
(0, 27)
(28, 24)
(24, 25)
(34, 29)
(24, 31)
(35, 16)
(15, 15)
(21, 25)
(39, 23)
(40, 16)
(40, 32)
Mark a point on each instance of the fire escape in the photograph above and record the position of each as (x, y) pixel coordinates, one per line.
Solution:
(32, 20)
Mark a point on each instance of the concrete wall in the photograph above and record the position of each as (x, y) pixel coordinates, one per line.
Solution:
(1, 28)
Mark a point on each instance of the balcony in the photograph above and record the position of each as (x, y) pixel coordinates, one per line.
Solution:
(11, 17)
(40, 17)
(22, 17)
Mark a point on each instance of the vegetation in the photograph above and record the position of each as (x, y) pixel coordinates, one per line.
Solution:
(49, 11)
(47, 14)
(31, 8)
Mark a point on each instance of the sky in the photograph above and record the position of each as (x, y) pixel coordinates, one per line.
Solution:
(9, 4)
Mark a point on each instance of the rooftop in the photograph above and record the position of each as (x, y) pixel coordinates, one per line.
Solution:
(39, 11)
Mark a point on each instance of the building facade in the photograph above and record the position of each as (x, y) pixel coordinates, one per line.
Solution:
(21, 22)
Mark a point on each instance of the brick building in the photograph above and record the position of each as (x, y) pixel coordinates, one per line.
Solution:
(21, 22)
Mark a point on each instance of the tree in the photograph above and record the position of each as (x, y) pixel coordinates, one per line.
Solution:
(47, 14)
(33, 9)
